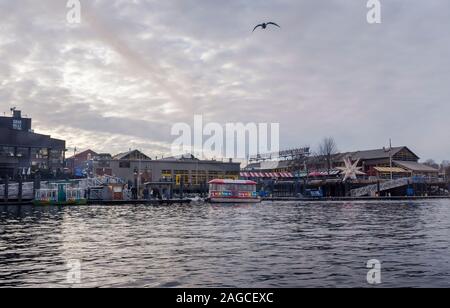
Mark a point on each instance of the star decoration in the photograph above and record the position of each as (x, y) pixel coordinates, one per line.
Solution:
(351, 171)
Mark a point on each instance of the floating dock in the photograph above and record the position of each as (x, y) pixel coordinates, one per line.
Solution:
(140, 202)
(333, 199)
(107, 203)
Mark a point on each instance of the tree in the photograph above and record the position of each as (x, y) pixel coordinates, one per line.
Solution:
(432, 163)
(445, 168)
(328, 149)
(445, 164)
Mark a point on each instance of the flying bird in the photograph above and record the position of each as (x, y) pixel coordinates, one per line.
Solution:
(264, 26)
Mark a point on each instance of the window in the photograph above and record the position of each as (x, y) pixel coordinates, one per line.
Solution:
(56, 156)
(195, 179)
(7, 151)
(167, 173)
(39, 153)
(202, 177)
(125, 165)
(23, 153)
(182, 175)
(212, 175)
(103, 164)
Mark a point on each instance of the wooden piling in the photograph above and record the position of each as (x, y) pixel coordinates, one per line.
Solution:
(20, 189)
(181, 186)
(6, 192)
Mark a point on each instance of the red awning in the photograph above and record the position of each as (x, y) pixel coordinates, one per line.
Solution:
(267, 175)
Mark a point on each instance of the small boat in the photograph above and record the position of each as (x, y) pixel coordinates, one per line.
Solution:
(233, 191)
(62, 193)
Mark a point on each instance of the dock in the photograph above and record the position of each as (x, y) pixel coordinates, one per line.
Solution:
(337, 199)
(140, 202)
(108, 203)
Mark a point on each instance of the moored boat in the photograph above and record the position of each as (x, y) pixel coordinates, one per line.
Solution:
(233, 191)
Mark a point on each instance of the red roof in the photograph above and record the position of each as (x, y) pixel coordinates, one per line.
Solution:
(83, 154)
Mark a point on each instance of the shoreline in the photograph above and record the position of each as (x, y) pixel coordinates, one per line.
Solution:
(334, 199)
(188, 201)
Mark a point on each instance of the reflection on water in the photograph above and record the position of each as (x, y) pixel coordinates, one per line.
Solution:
(265, 245)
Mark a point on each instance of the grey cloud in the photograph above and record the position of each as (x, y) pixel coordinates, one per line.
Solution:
(132, 69)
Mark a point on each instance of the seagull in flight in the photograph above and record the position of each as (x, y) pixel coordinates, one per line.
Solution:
(264, 25)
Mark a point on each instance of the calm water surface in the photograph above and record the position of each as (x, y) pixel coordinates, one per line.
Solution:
(267, 245)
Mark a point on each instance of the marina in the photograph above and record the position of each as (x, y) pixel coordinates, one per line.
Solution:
(35, 169)
(224, 151)
(108, 190)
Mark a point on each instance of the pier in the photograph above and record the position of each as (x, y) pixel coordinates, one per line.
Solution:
(107, 203)
(22, 193)
(337, 199)
(141, 202)
(328, 189)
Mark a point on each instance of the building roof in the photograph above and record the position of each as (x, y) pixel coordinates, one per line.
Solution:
(413, 166)
(189, 158)
(126, 155)
(83, 153)
(269, 165)
(180, 157)
(376, 154)
(384, 153)
(393, 170)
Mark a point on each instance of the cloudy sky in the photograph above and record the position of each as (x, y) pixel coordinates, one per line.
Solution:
(132, 69)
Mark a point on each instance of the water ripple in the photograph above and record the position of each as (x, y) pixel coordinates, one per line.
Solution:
(267, 245)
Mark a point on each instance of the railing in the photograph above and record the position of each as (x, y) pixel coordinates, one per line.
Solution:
(383, 186)
(28, 187)
(100, 181)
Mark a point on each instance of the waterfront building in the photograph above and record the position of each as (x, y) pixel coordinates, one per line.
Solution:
(134, 166)
(101, 164)
(387, 160)
(24, 152)
(80, 164)
(381, 163)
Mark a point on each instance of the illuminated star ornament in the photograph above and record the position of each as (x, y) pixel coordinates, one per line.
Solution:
(264, 26)
(351, 171)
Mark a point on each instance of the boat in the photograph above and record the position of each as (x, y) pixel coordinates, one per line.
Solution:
(60, 193)
(233, 191)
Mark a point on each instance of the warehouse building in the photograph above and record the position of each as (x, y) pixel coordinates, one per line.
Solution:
(135, 166)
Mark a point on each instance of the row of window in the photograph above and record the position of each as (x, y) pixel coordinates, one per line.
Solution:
(194, 173)
(31, 153)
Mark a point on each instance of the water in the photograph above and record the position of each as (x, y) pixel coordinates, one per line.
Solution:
(266, 245)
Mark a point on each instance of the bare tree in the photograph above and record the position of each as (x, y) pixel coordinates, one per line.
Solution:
(445, 164)
(432, 163)
(328, 149)
(445, 168)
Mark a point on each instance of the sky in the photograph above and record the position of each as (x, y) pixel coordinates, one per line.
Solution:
(131, 69)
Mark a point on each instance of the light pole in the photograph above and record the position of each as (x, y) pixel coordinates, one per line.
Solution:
(390, 159)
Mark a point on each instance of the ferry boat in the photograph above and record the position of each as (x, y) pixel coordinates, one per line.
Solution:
(64, 193)
(233, 191)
